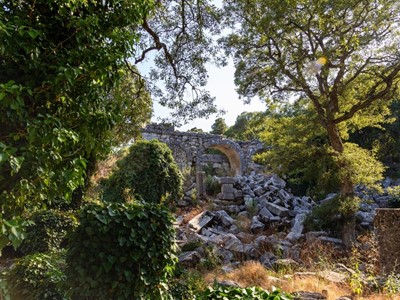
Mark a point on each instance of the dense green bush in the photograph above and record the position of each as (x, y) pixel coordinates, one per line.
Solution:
(332, 215)
(212, 186)
(37, 276)
(121, 251)
(48, 231)
(148, 171)
(253, 293)
(187, 285)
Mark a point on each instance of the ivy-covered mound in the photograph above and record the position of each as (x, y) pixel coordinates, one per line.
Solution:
(148, 171)
(121, 251)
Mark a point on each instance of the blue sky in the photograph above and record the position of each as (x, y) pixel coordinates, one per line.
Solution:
(222, 87)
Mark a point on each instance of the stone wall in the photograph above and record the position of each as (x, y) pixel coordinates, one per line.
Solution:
(387, 224)
(189, 148)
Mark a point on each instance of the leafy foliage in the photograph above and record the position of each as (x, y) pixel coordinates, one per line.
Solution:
(12, 231)
(342, 56)
(182, 35)
(121, 251)
(59, 61)
(223, 292)
(37, 276)
(47, 232)
(187, 286)
(301, 151)
(332, 215)
(219, 126)
(148, 171)
(247, 126)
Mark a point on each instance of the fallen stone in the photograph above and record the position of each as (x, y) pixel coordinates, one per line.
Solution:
(259, 191)
(227, 188)
(256, 226)
(275, 180)
(226, 180)
(332, 276)
(189, 259)
(201, 220)
(332, 240)
(301, 295)
(277, 210)
(297, 230)
(284, 196)
(224, 218)
(267, 259)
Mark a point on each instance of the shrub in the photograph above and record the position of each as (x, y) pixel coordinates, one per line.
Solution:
(37, 276)
(252, 293)
(212, 186)
(148, 171)
(121, 251)
(188, 285)
(330, 216)
(394, 192)
(48, 231)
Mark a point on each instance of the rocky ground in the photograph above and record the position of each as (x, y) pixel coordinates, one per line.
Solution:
(257, 218)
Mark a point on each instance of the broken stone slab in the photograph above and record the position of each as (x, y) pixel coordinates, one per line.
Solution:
(226, 180)
(226, 196)
(275, 180)
(224, 218)
(313, 235)
(267, 259)
(265, 215)
(297, 230)
(201, 220)
(256, 225)
(277, 210)
(259, 191)
(302, 295)
(328, 198)
(284, 196)
(272, 188)
(232, 209)
(189, 259)
(332, 240)
(333, 276)
(227, 188)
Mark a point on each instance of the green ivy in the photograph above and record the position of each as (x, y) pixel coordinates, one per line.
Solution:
(251, 293)
(121, 251)
(48, 231)
(37, 276)
(148, 171)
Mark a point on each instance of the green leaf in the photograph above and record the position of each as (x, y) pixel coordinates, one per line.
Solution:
(33, 33)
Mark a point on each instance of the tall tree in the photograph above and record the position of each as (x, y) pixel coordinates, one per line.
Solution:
(219, 126)
(180, 35)
(247, 126)
(342, 55)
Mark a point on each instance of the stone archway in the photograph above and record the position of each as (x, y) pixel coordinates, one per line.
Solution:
(231, 151)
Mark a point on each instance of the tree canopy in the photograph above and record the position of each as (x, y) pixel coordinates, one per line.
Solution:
(219, 126)
(341, 55)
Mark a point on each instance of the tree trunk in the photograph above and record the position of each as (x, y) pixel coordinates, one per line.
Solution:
(346, 188)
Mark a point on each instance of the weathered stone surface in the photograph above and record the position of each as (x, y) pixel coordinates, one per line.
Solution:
(277, 210)
(265, 215)
(201, 220)
(226, 180)
(284, 196)
(332, 240)
(227, 188)
(259, 191)
(227, 196)
(224, 218)
(189, 259)
(256, 225)
(297, 229)
(301, 295)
